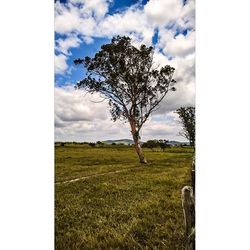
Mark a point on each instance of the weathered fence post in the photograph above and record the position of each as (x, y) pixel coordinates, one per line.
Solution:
(193, 176)
(188, 205)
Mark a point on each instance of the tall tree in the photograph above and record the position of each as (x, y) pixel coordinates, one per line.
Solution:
(126, 77)
(187, 117)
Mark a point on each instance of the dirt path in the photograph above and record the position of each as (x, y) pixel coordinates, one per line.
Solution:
(94, 175)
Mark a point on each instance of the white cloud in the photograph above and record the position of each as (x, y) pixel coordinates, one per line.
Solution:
(184, 75)
(166, 128)
(87, 39)
(162, 12)
(79, 118)
(63, 45)
(179, 45)
(75, 105)
(60, 64)
(187, 17)
(131, 22)
(83, 18)
(170, 13)
(97, 8)
(67, 18)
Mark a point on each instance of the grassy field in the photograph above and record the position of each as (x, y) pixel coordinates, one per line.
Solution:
(138, 208)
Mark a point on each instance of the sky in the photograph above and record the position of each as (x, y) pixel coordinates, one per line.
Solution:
(82, 26)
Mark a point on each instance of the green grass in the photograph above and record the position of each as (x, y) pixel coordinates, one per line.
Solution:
(139, 208)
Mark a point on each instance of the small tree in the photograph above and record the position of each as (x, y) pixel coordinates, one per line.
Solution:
(187, 117)
(126, 77)
(163, 144)
(92, 144)
(150, 144)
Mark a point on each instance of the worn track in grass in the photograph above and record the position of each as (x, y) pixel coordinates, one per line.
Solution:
(94, 175)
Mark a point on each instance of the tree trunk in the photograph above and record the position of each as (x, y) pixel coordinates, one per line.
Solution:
(138, 149)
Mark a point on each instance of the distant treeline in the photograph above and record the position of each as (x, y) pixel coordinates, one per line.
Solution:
(91, 144)
(151, 144)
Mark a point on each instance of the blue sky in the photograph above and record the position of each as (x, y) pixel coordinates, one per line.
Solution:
(76, 73)
(90, 49)
(82, 26)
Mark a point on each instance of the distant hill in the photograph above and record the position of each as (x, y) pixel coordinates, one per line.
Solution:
(177, 143)
(124, 141)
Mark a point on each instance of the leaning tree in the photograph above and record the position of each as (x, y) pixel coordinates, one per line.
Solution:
(127, 78)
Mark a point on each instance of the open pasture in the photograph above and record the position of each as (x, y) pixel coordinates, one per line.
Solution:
(136, 208)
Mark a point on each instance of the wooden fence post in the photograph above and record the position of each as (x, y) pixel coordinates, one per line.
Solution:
(188, 205)
(193, 176)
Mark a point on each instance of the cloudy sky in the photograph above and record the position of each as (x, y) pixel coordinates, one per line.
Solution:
(82, 26)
